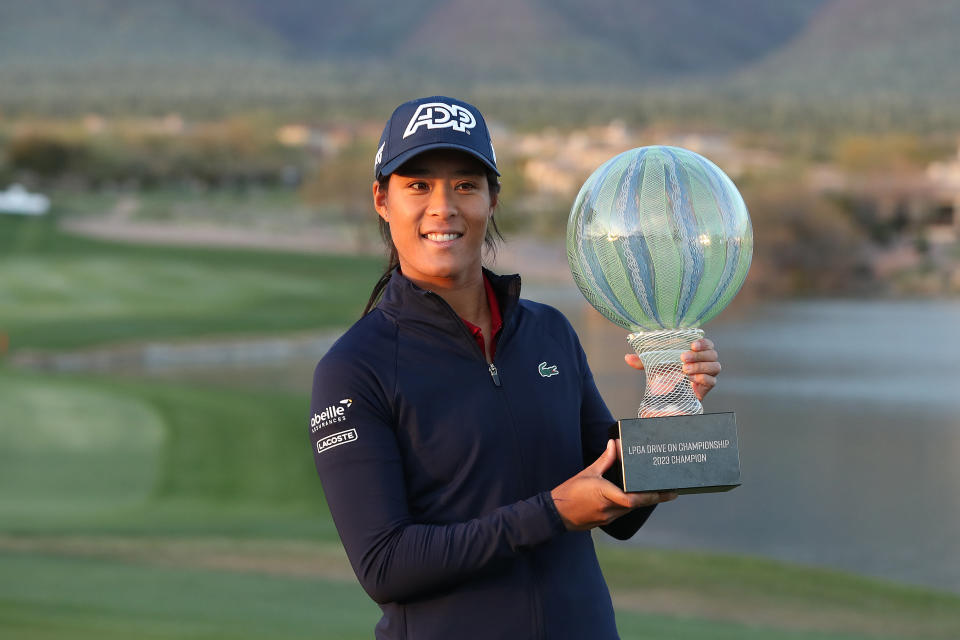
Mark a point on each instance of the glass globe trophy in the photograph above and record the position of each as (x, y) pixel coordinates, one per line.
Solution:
(659, 241)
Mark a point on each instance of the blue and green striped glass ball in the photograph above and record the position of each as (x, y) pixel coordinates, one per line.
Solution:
(659, 238)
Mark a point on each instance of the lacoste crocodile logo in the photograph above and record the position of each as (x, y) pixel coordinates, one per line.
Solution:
(548, 370)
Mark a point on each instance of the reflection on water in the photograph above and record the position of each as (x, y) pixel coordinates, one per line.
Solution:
(849, 435)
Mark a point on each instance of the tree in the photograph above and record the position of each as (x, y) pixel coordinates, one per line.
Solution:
(344, 182)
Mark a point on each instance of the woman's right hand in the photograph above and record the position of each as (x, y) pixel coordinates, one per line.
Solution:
(589, 500)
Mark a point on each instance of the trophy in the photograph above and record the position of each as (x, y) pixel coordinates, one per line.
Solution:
(659, 241)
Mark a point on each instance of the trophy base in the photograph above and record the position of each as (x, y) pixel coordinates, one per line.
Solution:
(689, 454)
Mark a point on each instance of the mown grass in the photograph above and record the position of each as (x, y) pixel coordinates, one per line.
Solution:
(207, 460)
(97, 598)
(56, 596)
(780, 594)
(235, 465)
(104, 458)
(54, 434)
(63, 291)
(274, 208)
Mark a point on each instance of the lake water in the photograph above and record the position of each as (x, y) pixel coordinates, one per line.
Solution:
(849, 434)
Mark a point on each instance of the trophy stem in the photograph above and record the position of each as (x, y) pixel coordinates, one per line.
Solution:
(669, 391)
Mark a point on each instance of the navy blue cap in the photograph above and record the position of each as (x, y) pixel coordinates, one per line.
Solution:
(437, 122)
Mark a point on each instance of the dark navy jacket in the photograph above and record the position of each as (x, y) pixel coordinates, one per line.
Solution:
(438, 468)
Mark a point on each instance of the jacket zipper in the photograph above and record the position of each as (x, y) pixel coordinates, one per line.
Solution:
(495, 377)
(492, 368)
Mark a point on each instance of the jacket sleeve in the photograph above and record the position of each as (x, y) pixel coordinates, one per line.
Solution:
(359, 462)
(595, 423)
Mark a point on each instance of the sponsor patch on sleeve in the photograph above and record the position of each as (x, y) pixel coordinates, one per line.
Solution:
(336, 412)
(336, 439)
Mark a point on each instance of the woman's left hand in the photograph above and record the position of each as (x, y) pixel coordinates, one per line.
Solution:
(701, 364)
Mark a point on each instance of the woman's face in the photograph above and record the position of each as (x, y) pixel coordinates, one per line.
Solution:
(438, 205)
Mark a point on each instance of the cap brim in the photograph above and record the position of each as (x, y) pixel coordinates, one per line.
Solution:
(394, 164)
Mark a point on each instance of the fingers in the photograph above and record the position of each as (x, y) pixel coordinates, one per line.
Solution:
(701, 368)
(651, 498)
(636, 500)
(666, 496)
(703, 386)
(705, 355)
(702, 344)
(701, 350)
(604, 462)
(703, 375)
(701, 363)
(587, 501)
(657, 497)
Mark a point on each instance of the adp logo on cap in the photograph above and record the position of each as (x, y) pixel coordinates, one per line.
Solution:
(437, 122)
(436, 115)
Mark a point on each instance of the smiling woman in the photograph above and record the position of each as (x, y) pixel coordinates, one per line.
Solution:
(438, 206)
(473, 170)
(467, 470)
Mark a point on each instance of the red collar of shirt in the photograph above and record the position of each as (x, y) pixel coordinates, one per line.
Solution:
(496, 321)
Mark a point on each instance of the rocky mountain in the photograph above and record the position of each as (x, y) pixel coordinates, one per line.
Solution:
(55, 54)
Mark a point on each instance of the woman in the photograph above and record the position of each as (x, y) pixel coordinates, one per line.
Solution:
(457, 431)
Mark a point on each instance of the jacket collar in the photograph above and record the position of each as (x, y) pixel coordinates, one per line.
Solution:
(407, 302)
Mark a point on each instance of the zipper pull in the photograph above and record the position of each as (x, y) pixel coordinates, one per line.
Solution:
(494, 374)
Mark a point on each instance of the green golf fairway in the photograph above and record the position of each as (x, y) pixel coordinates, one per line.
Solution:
(88, 596)
(220, 531)
(98, 454)
(63, 291)
(58, 597)
(68, 449)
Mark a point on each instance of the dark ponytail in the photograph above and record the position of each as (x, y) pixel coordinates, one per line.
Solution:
(393, 259)
(490, 242)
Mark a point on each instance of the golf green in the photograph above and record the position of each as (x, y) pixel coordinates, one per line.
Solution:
(64, 291)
